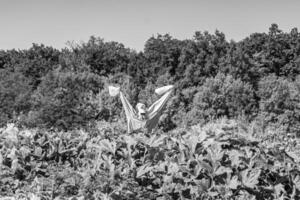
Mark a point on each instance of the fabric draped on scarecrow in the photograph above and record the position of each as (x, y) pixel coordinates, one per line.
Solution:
(153, 112)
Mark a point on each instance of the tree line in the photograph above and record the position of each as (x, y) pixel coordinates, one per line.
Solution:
(255, 79)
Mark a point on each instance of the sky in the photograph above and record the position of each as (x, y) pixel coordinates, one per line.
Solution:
(133, 22)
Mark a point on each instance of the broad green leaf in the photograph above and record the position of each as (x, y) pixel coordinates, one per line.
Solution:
(15, 165)
(70, 181)
(296, 181)
(167, 178)
(38, 151)
(105, 196)
(250, 177)
(173, 168)
(244, 195)
(11, 132)
(278, 189)
(204, 184)
(108, 161)
(222, 170)
(13, 154)
(208, 142)
(109, 146)
(130, 141)
(27, 133)
(33, 197)
(233, 182)
(249, 152)
(202, 135)
(206, 166)
(213, 193)
(294, 155)
(156, 141)
(216, 153)
(143, 170)
(25, 151)
(234, 156)
(192, 140)
(223, 190)
(161, 167)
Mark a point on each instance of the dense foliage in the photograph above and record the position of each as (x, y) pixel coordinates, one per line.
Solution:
(220, 160)
(256, 78)
(64, 137)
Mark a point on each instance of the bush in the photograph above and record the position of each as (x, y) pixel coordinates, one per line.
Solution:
(65, 100)
(280, 102)
(15, 92)
(222, 96)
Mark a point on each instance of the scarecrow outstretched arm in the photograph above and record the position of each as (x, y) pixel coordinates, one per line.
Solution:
(129, 111)
(157, 107)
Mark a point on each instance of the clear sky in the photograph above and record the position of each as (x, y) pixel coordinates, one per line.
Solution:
(132, 22)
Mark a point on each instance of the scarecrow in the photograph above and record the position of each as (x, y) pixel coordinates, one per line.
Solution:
(143, 118)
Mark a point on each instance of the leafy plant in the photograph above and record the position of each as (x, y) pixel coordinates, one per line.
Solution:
(215, 161)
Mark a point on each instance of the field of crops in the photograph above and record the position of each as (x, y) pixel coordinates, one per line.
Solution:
(221, 160)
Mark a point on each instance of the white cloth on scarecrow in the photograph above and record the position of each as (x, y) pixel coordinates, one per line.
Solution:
(153, 112)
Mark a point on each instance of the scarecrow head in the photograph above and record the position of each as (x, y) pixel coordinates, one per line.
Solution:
(141, 110)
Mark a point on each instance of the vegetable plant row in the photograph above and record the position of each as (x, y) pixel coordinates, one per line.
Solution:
(216, 161)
